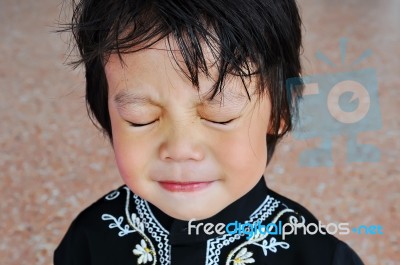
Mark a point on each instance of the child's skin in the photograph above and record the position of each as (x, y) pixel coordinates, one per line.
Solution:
(183, 161)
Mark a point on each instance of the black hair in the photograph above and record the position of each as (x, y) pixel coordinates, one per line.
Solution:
(260, 38)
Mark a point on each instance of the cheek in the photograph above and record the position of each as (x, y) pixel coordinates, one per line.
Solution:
(245, 151)
(132, 154)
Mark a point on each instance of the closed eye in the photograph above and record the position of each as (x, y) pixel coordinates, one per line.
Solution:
(140, 124)
(221, 122)
(145, 124)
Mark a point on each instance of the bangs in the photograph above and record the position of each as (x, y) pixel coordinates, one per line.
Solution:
(235, 42)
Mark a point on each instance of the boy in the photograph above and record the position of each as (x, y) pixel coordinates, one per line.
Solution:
(191, 95)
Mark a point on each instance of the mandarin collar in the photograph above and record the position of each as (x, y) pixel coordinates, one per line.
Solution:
(239, 211)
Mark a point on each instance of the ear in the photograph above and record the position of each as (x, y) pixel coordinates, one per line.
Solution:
(281, 127)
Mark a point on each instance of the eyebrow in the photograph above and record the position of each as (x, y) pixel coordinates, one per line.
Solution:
(128, 97)
(228, 96)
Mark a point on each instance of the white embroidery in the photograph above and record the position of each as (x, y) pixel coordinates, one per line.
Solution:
(257, 237)
(243, 257)
(271, 245)
(157, 231)
(294, 221)
(112, 195)
(124, 230)
(136, 221)
(143, 252)
(144, 222)
(214, 246)
(137, 225)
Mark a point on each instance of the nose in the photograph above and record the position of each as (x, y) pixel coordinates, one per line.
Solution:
(181, 143)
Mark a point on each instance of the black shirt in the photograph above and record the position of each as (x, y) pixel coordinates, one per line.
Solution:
(123, 229)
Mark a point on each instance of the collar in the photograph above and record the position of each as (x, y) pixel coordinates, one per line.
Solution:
(240, 211)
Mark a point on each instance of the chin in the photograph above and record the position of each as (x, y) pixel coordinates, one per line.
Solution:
(188, 215)
(188, 211)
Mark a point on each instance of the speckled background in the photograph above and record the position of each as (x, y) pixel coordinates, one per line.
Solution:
(53, 162)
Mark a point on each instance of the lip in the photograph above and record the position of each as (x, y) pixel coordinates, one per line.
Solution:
(191, 186)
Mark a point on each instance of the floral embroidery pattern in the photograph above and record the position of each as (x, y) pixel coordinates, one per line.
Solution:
(272, 245)
(144, 253)
(261, 237)
(243, 257)
(157, 232)
(117, 223)
(214, 246)
(145, 250)
(143, 220)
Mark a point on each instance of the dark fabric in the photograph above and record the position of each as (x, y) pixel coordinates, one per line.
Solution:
(101, 235)
(345, 255)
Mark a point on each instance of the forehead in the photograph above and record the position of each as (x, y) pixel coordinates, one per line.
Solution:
(162, 66)
(164, 52)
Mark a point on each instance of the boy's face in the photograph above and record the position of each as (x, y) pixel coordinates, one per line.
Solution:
(170, 148)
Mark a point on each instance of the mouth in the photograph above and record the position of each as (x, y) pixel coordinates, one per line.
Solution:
(175, 186)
